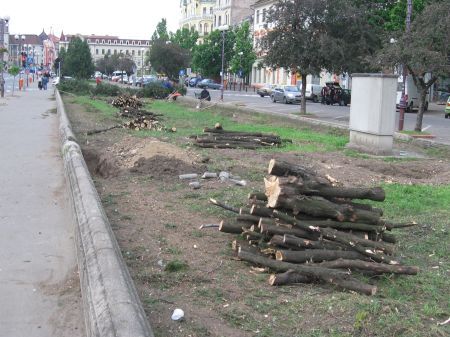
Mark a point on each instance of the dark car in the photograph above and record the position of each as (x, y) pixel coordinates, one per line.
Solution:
(335, 94)
(194, 81)
(286, 94)
(208, 84)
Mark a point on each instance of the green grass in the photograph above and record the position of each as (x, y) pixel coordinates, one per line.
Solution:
(412, 132)
(105, 110)
(190, 122)
(176, 266)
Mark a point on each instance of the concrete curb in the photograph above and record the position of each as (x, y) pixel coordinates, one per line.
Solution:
(111, 305)
(311, 121)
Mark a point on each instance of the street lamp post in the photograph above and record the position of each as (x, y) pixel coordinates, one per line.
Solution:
(223, 29)
(142, 66)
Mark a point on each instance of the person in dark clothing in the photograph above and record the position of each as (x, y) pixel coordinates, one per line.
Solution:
(205, 95)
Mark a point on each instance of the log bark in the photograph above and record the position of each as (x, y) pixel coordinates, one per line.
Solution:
(288, 277)
(294, 241)
(316, 255)
(379, 268)
(236, 244)
(248, 218)
(347, 239)
(282, 168)
(388, 237)
(261, 211)
(257, 196)
(290, 187)
(327, 275)
(270, 229)
(277, 241)
(224, 206)
(320, 207)
(237, 133)
(347, 225)
(233, 227)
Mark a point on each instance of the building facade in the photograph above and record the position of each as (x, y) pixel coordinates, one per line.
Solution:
(231, 12)
(4, 37)
(197, 15)
(102, 45)
(26, 48)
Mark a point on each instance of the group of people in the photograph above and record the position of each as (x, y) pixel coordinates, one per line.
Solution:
(43, 79)
(330, 94)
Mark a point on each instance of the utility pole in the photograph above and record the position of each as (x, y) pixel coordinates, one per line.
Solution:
(403, 102)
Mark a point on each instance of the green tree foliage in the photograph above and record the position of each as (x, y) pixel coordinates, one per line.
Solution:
(78, 61)
(168, 58)
(207, 57)
(161, 31)
(395, 15)
(14, 71)
(243, 56)
(306, 36)
(185, 38)
(425, 50)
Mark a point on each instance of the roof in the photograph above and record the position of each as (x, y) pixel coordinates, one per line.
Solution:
(29, 39)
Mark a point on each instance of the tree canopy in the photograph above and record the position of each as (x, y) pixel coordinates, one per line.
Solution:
(306, 36)
(244, 55)
(207, 58)
(185, 38)
(425, 50)
(161, 31)
(168, 58)
(78, 60)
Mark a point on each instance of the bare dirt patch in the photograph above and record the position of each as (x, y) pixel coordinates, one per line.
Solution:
(156, 217)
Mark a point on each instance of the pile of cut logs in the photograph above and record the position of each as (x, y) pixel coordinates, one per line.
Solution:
(307, 229)
(219, 138)
(144, 123)
(124, 101)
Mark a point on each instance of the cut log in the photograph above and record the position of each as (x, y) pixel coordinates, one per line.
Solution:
(316, 255)
(248, 218)
(261, 211)
(233, 227)
(288, 277)
(224, 206)
(277, 241)
(320, 207)
(282, 168)
(347, 239)
(245, 245)
(257, 196)
(378, 268)
(334, 277)
(236, 133)
(347, 225)
(388, 237)
(270, 229)
(290, 187)
(294, 241)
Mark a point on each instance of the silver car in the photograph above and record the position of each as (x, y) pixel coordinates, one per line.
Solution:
(286, 94)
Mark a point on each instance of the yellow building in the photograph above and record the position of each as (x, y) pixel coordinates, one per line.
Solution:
(197, 15)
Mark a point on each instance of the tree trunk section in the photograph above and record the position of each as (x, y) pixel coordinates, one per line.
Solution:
(233, 227)
(303, 107)
(379, 268)
(316, 255)
(288, 277)
(419, 118)
(301, 243)
(340, 279)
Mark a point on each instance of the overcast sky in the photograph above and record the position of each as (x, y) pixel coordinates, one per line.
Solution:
(132, 19)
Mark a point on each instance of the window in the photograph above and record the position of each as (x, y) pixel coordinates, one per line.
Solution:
(128, 42)
(257, 16)
(109, 41)
(264, 15)
(96, 51)
(132, 52)
(206, 28)
(109, 51)
(139, 53)
(103, 52)
(96, 41)
(115, 51)
(200, 28)
(210, 10)
(139, 43)
(220, 21)
(103, 41)
(204, 10)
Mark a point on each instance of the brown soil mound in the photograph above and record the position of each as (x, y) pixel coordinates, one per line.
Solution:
(162, 166)
(102, 165)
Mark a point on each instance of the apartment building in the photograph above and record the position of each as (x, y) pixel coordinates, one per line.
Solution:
(101, 45)
(231, 12)
(198, 16)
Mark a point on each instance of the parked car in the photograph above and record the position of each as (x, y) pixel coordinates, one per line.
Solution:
(142, 82)
(313, 92)
(208, 84)
(118, 75)
(194, 81)
(335, 94)
(286, 94)
(447, 108)
(265, 90)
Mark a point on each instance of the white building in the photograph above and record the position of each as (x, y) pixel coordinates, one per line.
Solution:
(101, 45)
(231, 12)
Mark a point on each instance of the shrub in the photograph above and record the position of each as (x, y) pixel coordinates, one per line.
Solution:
(77, 87)
(181, 89)
(106, 89)
(155, 90)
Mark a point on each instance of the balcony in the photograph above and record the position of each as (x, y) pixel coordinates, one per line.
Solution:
(188, 18)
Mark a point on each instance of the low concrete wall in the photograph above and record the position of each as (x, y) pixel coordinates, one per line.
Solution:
(111, 305)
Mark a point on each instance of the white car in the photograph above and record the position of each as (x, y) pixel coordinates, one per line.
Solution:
(55, 81)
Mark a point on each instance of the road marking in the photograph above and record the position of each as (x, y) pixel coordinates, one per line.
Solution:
(339, 117)
(426, 128)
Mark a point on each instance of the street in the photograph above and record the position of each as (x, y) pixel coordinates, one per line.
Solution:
(433, 120)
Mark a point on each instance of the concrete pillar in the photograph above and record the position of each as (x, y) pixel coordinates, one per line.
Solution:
(372, 113)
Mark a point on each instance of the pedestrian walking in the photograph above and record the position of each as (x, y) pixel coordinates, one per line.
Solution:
(44, 81)
(40, 81)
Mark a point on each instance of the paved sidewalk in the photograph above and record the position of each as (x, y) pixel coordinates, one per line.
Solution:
(39, 284)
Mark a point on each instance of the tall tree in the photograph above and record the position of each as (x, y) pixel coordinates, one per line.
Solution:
(78, 60)
(161, 31)
(168, 58)
(425, 51)
(306, 36)
(244, 56)
(207, 57)
(185, 38)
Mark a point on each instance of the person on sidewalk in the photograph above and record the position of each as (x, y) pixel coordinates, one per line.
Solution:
(40, 81)
(44, 81)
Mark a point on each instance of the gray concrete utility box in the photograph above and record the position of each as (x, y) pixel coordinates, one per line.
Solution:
(372, 113)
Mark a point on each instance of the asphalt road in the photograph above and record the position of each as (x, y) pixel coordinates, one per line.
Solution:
(433, 120)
